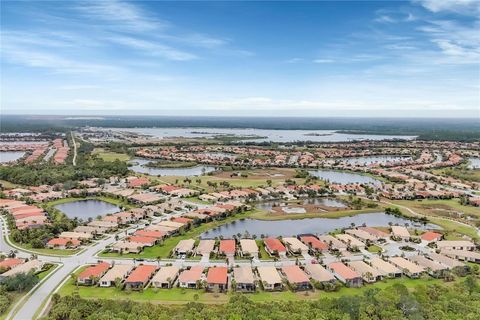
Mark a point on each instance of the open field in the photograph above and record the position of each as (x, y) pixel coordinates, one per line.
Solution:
(460, 172)
(181, 296)
(110, 156)
(431, 209)
(115, 201)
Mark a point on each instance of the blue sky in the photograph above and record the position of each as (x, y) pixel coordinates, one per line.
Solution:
(338, 58)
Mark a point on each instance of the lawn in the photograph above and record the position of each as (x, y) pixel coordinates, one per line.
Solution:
(265, 215)
(374, 249)
(115, 201)
(180, 296)
(164, 249)
(46, 251)
(110, 156)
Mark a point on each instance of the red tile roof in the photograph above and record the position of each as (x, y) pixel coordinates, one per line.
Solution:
(151, 234)
(295, 274)
(182, 220)
(430, 236)
(142, 239)
(10, 263)
(314, 242)
(141, 273)
(274, 244)
(63, 242)
(94, 271)
(217, 275)
(342, 270)
(192, 275)
(227, 246)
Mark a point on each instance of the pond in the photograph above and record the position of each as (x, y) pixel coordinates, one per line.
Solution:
(329, 202)
(474, 163)
(262, 135)
(302, 226)
(7, 156)
(85, 209)
(139, 167)
(375, 159)
(343, 177)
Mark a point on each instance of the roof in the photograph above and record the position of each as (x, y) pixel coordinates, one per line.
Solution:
(269, 275)
(63, 242)
(227, 246)
(10, 262)
(249, 246)
(431, 236)
(319, 273)
(94, 271)
(117, 271)
(455, 243)
(337, 244)
(405, 264)
(422, 261)
(362, 234)
(23, 268)
(217, 275)
(205, 246)
(192, 275)
(400, 231)
(447, 261)
(343, 271)
(348, 239)
(274, 244)
(294, 274)
(243, 275)
(151, 234)
(384, 266)
(185, 245)
(294, 244)
(142, 239)
(165, 273)
(363, 268)
(141, 274)
(314, 242)
(374, 232)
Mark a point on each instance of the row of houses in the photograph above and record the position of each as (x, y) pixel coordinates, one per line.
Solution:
(12, 266)
(25, 216)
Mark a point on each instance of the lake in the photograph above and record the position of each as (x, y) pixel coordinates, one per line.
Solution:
(85, 209)
(261, 135)
(7, 156)
(375, 159)
(343, 177)
(329, 202)
(313, 225)
(139, 167)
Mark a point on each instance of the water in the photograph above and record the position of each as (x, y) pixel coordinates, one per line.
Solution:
(261, 134)
(7, 156)
(474, 163)
(329, 202)
(301, 226)
(375, 159)
(87, 208)
(139, 167)
(343, 177)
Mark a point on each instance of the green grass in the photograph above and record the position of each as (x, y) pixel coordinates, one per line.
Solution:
(110, 156)
(164, 249)
(46, 251)
(374, 249)
(181, 296)
(114, 201)
(263, 253)
(265, 215)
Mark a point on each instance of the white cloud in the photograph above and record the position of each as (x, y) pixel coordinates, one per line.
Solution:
(323, 61)
(470, 7)
(153, 48)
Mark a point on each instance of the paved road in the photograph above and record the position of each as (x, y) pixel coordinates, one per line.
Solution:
(74, 161)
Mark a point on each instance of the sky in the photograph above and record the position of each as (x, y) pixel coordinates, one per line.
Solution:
(417, 58)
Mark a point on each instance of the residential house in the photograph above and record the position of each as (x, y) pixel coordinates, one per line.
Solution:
(385, 268)
(270, 278)
(217, 279)
(191, 278)
(244, 279)
(92, 274)
(165, 277)
(116, 275)
(409, 268)
(297, 279)
(368, 273)
(345, 274)
(319, 273)
(138, 279)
